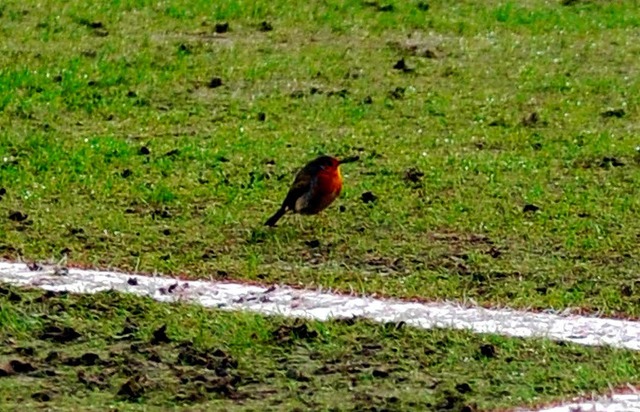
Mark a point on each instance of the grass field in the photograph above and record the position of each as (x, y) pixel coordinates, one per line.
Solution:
(499, 140)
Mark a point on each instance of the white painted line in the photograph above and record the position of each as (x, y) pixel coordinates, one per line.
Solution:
(614, 403)
(290, 302)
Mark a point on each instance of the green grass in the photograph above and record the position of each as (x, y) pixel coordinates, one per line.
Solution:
(207, 359)
(83, 89)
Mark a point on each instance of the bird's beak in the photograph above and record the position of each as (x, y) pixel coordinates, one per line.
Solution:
(349, 160)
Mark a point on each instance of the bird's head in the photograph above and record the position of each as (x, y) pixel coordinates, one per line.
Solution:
(330, 163)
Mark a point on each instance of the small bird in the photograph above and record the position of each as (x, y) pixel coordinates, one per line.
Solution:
(315, 187)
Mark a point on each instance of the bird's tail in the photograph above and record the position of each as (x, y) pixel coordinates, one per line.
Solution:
(276, 216)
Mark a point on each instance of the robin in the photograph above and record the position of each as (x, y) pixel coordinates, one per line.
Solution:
(315, 187)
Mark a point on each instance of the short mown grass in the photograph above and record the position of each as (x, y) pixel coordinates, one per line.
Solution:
(119, 148)
(109, 350)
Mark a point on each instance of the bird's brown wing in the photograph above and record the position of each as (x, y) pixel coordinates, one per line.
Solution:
(302, 186)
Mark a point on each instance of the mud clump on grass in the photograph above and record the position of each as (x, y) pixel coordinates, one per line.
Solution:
(17, 216)
(27, 351)
(608, 162)
(531, 119)
(368, 197)
(397, 93)
(488, 351)
(387, 7)
(86, 359)
(618, 113)
(313, 243)
(128, 331)
(59, 334)
(297, 375)
(214, 83)
(172, 153)
(195, 387)
(265, 26)
(222, 27)
(413, 176)
(160, 336)
(132, 389)
(215, 359)
(401, 65)
(289, 333)
(41, 396)
(49, 295)
(382, 264)
(10, 295)
(92, 382)
(450, 400)
(17, 366)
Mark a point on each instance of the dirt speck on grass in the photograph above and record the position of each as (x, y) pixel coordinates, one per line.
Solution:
(265, 26)
(368, 197)
(313, 243)
(618, 113)
(531, 119)
(297, 330)
(214, 359)
(41, 396)
(397, 93)
(19, 366)
(10, 295)
(86, 359)
(488, 351)
(93, 381)
(380, 373)
(160, 336)
(402, 66)
(413, 176)
(297, 375)
(610, 162)
(133, 388)
(221, 27)
(17, 216)
(214, 83)
(386, 7)
(59, 334)
(448, 399)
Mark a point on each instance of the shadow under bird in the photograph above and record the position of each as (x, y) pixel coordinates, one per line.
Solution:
(315, 187)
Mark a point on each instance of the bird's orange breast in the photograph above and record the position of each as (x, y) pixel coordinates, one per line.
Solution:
(330, 181)
(328, 187)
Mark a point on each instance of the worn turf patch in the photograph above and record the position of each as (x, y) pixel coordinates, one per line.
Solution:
(70, 351)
